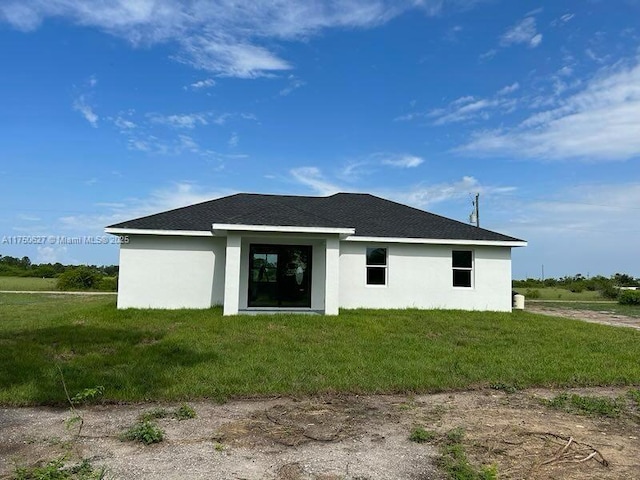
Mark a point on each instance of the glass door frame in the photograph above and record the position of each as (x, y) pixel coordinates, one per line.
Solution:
(280, 282)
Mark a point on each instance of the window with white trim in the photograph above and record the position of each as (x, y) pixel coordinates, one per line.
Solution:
(462, 264)
(376, 266)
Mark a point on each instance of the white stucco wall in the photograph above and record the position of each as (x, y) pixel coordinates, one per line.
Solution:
(171, 272)
(420, 276)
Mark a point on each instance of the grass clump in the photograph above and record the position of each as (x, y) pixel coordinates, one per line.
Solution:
(57, 470)
(634, 395)
(154, 414)
(455, 463)
(505, 387)
(587, 405)
(420, 435)
(145, 431)
(185, 412)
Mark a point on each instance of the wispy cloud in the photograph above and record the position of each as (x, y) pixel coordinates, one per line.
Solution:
(598, 123)
(509, 89)
(187, 120)
(294, 84)
(313, 178)
(28, 218)
(421, 195)
(584, 221)
(201, 84)
(82, 101)
(49, 254)
(401, 160)
(124, 124)
(81, 104)
(233, 141)
(424, 195)
(522, 32)
(177, 195)
(221, 37)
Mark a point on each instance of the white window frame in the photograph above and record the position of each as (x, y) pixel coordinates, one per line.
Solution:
(470, 269)
(385, 267)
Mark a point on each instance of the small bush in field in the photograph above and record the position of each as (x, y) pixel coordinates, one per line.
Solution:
(79, 278)
(532, 293)
(629, 297)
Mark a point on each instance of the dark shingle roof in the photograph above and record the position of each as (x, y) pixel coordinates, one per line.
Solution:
(371, 216)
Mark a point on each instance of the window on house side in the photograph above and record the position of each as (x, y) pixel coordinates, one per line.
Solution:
(376, 266)
(462, 262)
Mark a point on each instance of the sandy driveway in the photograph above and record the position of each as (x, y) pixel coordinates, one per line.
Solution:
(335, 437)
(606, 318)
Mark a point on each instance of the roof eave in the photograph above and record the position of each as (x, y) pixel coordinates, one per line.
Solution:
(439, 241)
(144, 231)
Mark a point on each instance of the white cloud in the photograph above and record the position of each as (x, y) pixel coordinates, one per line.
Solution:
(426, 195)
(488, 55)
(188, 121)
(81, 105)
(222, 37)
(49, 254)
(469, 108)
(233, 140)
(241, 60)
(294, 83)
(522, 32)
(599, 123)
(509, 89)
(179, 194)
(536, 40)
(28, 218)
(402, 160)
(202, 84)
(312, 177)
(124, 124)
(585, 221)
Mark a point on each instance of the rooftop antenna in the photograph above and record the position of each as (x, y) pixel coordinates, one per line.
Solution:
(475, 214)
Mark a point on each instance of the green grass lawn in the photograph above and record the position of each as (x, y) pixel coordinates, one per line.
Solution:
(178, 355)
(613, 306)
(553, 293)
(27, 283)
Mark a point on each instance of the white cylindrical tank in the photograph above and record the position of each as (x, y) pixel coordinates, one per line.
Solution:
(518, 302)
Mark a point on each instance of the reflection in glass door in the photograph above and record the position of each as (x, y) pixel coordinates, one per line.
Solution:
(279, 276)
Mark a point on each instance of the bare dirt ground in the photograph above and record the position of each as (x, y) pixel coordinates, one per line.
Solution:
(606, 318)
(336, 437)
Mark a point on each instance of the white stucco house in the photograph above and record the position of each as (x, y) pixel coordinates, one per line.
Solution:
(250, 252)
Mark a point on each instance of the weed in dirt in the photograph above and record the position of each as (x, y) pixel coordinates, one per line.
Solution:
(587, 405)
(505, 387)
(185, 412)
(634, 394)
(218, 447)
(56, 470)
(144, 431)
(420, 435)
(154, 414)
(455, 463)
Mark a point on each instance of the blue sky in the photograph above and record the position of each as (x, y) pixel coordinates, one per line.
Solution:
(113, 110)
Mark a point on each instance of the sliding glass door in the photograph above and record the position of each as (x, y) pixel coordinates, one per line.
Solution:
(279, 276)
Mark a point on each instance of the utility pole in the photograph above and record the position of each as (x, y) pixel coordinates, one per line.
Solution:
(475, 214)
